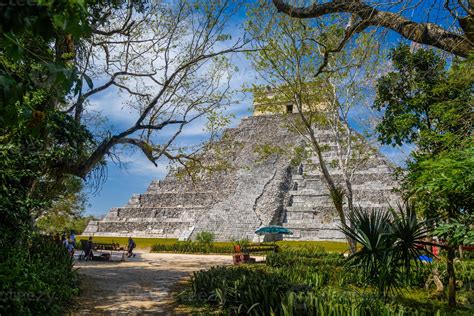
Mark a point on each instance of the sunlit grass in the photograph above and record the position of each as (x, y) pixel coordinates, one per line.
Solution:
(145, 243)
(329, 246)
(142, 243)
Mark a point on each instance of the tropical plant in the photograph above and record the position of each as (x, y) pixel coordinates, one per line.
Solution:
(389, 242)
(240, 290)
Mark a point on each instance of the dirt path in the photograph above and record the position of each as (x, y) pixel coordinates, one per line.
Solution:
(141, 285)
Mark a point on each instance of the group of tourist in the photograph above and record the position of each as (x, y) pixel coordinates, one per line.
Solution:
(69, 242)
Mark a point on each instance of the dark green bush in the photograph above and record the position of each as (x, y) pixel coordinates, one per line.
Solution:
(314, 256)
(240, 290)
(37, 278)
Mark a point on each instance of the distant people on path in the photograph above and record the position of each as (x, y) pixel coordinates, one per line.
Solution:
(88, 249)
(130, 247)
(64, 241)
(69, 246)
(72, 238)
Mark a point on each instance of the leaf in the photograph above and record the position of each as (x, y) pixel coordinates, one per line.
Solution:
(88, 79)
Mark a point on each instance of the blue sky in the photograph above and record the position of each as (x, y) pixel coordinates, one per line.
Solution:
(135, 172)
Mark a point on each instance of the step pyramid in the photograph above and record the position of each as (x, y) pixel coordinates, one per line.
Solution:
(254, 190)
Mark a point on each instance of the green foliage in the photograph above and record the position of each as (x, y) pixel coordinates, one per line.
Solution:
(205, 237)
(457, 231)
(38, 143)
(307, 281)
(38, 140)
(239, 290)
(193, 247)
(431, 107)
(389, 243)
(37, 278)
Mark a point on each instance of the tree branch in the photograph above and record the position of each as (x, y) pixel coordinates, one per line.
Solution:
(423, 33)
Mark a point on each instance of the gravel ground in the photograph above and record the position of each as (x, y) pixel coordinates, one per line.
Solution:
(140, 285)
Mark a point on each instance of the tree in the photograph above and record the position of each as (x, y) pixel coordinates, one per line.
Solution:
(166, 61)
(288, 55)
(430, 107)
(35, 135)
(66, 211)
(167, 64)
(361, 15)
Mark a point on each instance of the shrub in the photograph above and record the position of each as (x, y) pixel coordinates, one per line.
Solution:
(37, 278)
(389, 245)
(307, 256)
(193, 247)
(205, 237)
(240, 290)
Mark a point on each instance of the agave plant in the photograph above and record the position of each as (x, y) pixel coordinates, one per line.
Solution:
(389, 242)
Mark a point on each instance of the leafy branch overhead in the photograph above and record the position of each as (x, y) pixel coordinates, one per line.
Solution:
(362, 15)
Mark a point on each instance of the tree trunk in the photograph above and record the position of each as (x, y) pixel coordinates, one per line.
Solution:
(350, 204)
(451, 277)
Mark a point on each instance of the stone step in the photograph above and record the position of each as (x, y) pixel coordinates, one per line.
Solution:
(311, 225)
(170, 185)
(314, 234)
(139, 228)
(359, 193)
(377, 170)
(333, 165)
(319, 184)
(365, 199)
(154, 212)
(178, 199)
(313, 216)
(320, 188)
(321, 209)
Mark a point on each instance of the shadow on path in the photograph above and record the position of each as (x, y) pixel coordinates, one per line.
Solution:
(140, 285)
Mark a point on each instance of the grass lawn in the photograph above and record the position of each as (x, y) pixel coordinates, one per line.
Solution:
(142, 243)
(329, 246)
(145, 243)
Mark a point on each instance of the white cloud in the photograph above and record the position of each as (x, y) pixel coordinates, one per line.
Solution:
(112, 104)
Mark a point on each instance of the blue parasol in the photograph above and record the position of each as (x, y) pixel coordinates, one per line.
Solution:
(273, 229)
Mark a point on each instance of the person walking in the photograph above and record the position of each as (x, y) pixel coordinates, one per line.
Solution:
(130, 247)
(88, 249)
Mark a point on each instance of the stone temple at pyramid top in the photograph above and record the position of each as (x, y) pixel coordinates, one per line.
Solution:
(268, 101)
